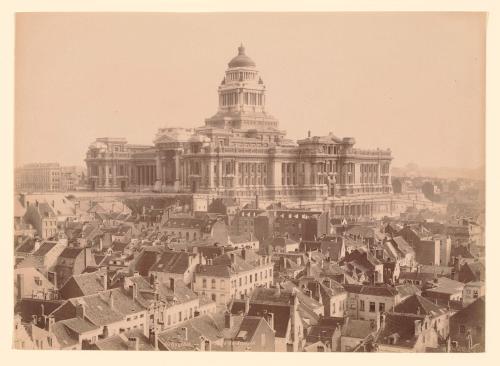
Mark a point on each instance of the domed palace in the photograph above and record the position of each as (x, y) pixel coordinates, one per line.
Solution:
(240, 152)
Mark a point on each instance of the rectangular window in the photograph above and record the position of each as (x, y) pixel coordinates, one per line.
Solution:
(462, 329)
(372, 307)
(362, 305)
(381, 307)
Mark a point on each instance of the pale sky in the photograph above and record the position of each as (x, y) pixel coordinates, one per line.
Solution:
(410, 82)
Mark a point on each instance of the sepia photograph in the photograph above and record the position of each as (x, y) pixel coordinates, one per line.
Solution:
(249, 182)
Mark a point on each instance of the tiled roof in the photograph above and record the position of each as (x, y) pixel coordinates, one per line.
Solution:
(247, 328)
(27, 246)
(416, 276)
(419, 305)
(27, 307)
(407, 289)
(79, 325)
(281, 313)
(120, 342)
(100, 311)
(172, 262)
(358, 328)
(446, 286)
(475, 311)
(82, 285)
(462, 251)
(45, 248)
(71, 253)
(382, 290)
(45, 210)
(214, 270)
(64, 336)
(402, 325)
(146, 259)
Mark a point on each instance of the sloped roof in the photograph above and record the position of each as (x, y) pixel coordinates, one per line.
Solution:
(44, 248)
(27, 246)
(281, 313)
(357, 328)
(419, 305)
(374, 290)
(172, 262)
(461, 251)
(83, 284)
(401, 324)
(71, 253)
(403, 245)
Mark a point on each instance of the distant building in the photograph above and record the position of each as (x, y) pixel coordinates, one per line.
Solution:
(47, 177)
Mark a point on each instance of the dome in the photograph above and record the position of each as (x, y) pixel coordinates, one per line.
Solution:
(242, 60)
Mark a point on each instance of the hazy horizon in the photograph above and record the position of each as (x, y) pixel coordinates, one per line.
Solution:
(412, 82)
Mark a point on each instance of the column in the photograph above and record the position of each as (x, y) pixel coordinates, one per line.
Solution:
(114, 174)
(307, 173)
(277, 173)
(106, 172)
(236, 173)
(357, 173)
(219, 172)
(158, 168)
(177, 166)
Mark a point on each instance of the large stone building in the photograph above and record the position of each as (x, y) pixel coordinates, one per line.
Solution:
(241, 152)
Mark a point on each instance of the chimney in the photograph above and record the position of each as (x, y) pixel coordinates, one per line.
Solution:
(185, 331)
(232, 257)
(37, 245)
(228, 320)
(80, 311)
(270, 320)
(418, 327)
(382, 320)
(309, 133)
(247, 305)
(134, 291)
(133, 343)
(112, 300)
(34, 319)
(172, 284)
(105, 280)
(50, 323)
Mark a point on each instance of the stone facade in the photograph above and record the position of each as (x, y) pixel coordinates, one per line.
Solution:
(240, 152)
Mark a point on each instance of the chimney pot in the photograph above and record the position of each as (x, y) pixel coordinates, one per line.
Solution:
(247, 304)
(228, 320)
